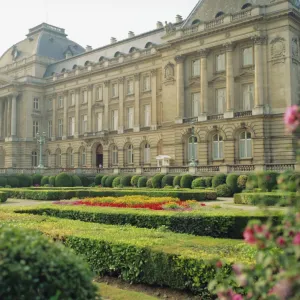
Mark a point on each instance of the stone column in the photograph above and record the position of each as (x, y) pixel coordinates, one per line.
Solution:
(8, 117)
(65, 128)
(121, 105)
(54, 100)
(105, 101)
(90, 100)
(14, 114)
(203, 85)
(180, 88)
(1, 119)
(229, 81)
(154, 99)
(137, 103)
(77, 110)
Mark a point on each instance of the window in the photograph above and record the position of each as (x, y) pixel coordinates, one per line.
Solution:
(36, 103)
(247, 5)
(50, 129)
(129, 87)
(147, 114)
(114, 119)
(85, 96)
(50, 104)
(129, 154)
(70, 158)
(146, 83)
(60, 127)
(196, 67)
(114, 91)
(72, 99)
(100, 93)
(71, 126)
(220, 62)
(147, 154)
(34, 159)
(130, 116)
(60, 102)
(99, 121)
(83, 157)
(245, 145)
(217, 145)
(220, 100)
(35, 128)
(248, 56)
(192, 148)
(219, 14)
(195, 104)
(114, 155)
(83, 123)
(58, 158)
(248, 96)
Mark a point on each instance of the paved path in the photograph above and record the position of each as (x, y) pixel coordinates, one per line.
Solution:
(22, 202)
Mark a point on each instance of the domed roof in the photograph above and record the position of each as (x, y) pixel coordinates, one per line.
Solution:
(43, 40)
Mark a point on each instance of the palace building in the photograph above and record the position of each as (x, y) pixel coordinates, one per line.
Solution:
(226, 74)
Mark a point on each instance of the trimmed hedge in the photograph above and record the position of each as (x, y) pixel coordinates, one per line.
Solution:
(52, 180)
(186, 181)
(232, 182)
(242, 181)
(149, 183)
(208, 181)
(84, 180)
(116, 182)
(199, 183)
(125, 180)
(134, 180)
(267, 181)
(3, 181)
(109, 180)
(167, 180)
(36, 179)
(98, 179)
(251, 182)
(76, 181)
(103, 180)
(63, 180)
(3, 196)
(223, 190)
(13, 181)
(157, 181)
(176, 181)
(25, 180)
(142, 182)
(218, 180)
(45, 180)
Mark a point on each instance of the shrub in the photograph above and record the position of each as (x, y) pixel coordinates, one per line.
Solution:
(157, 181)
(36, 179)
(3, 197)
(126, 180)
(149, 183)
(109, 180)
(267, 181)
(224, 190)
(98, 179)
(52, 180)
(199, 183)
(218, 180)
(25, 180)
(142, 182)
(116, 182)
(103, 180)
(3, 181)
(241, 182)
(186, 181)
(84, 180)
(176, 180)
(294, 183)
(232, 182)
(167, 180)
(134, 180)
(76, 181)
(44, 275)
(208, 181)
(45, 180)
(13, 181)
(63, 180)
(251, 182)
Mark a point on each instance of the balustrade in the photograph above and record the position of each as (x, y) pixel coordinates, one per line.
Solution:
(215, 117)
(279, 167)
(242, 114)
(241, 168)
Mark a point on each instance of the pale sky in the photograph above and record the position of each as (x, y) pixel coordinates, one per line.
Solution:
(88, 22)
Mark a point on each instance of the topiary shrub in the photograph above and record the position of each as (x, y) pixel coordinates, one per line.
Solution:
(3, 181)
(208, 181)
(224, 190)
(218, 180)
(176, 180)
(135, 180)
(267, 181)
(232, 182)
(157, 180)
(167, 180)
(45, 180)
(186, 181)
(126, 180)
(63, 180)
(241, 182)
(76, 181)
(84, 180)
(294, 183)
(45, 275)
(52, 180)
(116, 182)
(25, 180)
(252, 182)
(149, 183)
(109, 180)
(142, 182)
(103, 180)
(199, 183)
(98, 179)
(36, 179)
(13, 181)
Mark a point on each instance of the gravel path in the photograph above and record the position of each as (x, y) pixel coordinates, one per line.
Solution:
(22, 202)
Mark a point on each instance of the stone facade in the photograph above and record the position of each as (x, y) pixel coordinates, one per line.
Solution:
(229, 70)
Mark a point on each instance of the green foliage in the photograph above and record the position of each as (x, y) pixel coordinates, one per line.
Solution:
(126, 181)
(242, 181)
(294, 183)
(76, 181)
(45, 180)
(157, 181)
(25, 180)
(63, 180)
(3, 196)
(134, 180)
(3, 181)
(252, 182)
(186, 181)
(109, 180)
(36, 179)
(267, 181)
(232, 182)
(149, 183)
(199, 183)
(176, 180)
(116, 182)
(218, 180)
(142, 182)
(103, 180)
(52, 180)
(224, 190)
(13, 181)
(167, 180)
(98, 179)
(208, 181)
(53, 272)
(84, 180)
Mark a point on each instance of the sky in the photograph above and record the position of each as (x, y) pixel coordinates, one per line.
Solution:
(88, 22)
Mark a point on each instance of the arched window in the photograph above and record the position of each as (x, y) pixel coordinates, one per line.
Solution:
(219, 14)
(58, 158)
(129, 154)
(114, 155)
(74, 67)
(117, 54)
(101, 59)
(86, 63)
(245, 143)
(192, 148)
(63, 70)
(195, 22)
(246, 5)
(148, 45)
(70, 158)
(132, 49)
(218, 147)
(34, 159)
(147, 154)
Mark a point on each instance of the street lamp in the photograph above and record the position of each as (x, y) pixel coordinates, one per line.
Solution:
(41, 139)
(193, 162)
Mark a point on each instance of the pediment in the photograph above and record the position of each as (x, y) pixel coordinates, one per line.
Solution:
(194, 82)
(218, 78)
(248, 73)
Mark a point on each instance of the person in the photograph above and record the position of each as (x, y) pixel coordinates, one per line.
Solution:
(100, 166)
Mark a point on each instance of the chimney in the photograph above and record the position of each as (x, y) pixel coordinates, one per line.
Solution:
(113, 40)
(178, 19)
(88, 48)
(131, 34)
(159, 25)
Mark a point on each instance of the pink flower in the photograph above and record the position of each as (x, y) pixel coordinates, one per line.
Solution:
(219, 264)
(237, 297)
(296, 240)
(237, 269)
(249, 235)
(292, 118)
(281, 241)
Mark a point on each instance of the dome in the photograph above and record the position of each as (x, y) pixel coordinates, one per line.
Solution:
(43, 40)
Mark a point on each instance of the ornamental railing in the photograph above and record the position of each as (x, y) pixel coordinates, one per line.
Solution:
(190, 30)
(279, 167)
(128, 170)
(151, 170)
(241, 168)
(241, 15)
(214, 23)
(207, 169)
(215, 117)
(190, 120)
(242, 114)
(178, 170)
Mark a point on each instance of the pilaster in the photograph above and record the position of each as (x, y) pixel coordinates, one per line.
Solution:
(105, 101)
(65, 121)
(203, 85)
(121, 105)
(180, 88)
(137, 103)
(54, 130)
(77, 110)
(90, 99)
(154, 99)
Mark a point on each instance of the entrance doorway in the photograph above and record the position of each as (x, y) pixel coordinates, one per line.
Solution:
(99, 156)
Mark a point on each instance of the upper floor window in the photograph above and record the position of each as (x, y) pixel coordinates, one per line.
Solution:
(84, 123)
(195, 104)
(247, 5)
(60, 102)
(220, 62)
(60, 127)
(35, 128)
(114, 119)
(72, 99)
(70, 158)
(114, 90)
(36, 103)
(220, 100)
(85, 96)
(130, 117)
(218, 148)
(192, 148)
(34, 159)
(219, 14)
(196, 67)
(147, 114)
(50, 129)
(146, 83)
(248, 98)
(99, 121)
(245, 143)
(248, 56)
(129, 86)
(100, 93)
(147, 154)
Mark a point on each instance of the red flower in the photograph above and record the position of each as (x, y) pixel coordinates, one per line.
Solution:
(281, 241)
(296, 240)
(249, 235)
(219, 264)
(203, 204)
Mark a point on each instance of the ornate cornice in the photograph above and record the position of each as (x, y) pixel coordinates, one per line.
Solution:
(229, 47)
(203, 52)
(153, 72)
(260, 39)
(180, 59)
